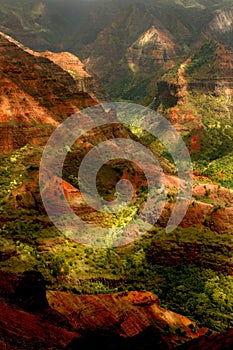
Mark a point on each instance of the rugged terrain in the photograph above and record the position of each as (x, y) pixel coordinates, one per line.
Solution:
(175, 56)
(197, 98)
(127, 44)
(32, 317)
(36, 95)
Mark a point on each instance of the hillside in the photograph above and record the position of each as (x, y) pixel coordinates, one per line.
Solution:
(197, 98)
(29, 241)
(127, 45)
(61, 320)
(162, 288)
(36, 95)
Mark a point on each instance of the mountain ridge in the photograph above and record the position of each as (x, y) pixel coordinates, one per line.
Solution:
(31, 97)
(175, 56)
(103, 32)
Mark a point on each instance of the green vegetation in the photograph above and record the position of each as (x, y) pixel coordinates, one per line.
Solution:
(30, 241)
(211, 109)
(16, 168)
(198, 285)
(201, 64)
(216, 137)
(201, 294)
(221, 170)
(193, 288)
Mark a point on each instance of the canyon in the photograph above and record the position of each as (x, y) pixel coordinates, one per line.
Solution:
(167, 290)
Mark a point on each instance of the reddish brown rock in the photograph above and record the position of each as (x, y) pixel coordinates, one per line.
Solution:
(36, 95)
(222, 220)
(57, 320)
(128, 313)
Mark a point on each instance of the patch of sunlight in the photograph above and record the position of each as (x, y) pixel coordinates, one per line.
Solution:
(190, 4)
(133, 67)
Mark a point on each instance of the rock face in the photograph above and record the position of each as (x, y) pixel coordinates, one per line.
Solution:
(221, 26)
(218, 78)
(36, 95)
(155, 45)
(209, 220)
(211, 206)
(72, 64)
(163, 37)
(30, 317)
(127, 313)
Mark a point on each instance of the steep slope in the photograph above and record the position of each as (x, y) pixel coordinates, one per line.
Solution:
(35, 93)
(221, 26)
(109, 35)
(72, 64)
(197, 98)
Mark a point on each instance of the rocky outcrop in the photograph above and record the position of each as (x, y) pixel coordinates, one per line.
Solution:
(31, 317)
(218, 78)
(210, 207)
(215, 215)
(221, 26)
(132, 38)
(210, 215)
(128, 314)
(167, 95)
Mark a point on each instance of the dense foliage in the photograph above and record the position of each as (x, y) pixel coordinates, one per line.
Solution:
(200, 293)
(199, 290)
